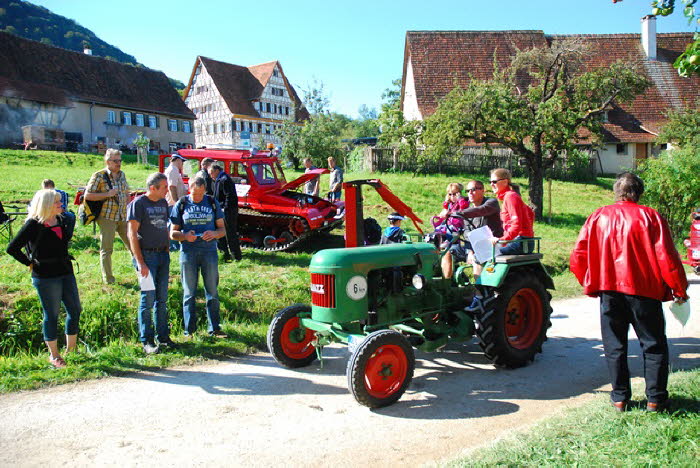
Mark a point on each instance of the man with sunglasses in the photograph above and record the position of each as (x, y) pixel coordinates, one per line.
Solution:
(109, 185)
(482, 211)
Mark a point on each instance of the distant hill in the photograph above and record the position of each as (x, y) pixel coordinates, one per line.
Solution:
(34, 22)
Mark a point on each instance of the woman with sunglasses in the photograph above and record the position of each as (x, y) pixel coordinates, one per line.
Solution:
(516, 216)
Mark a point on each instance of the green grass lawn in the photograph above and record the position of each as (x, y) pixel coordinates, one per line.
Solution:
(250, 291)
(595, 435)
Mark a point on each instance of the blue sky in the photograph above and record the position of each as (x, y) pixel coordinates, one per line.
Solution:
(354, 48)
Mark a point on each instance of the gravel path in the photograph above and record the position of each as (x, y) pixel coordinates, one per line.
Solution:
(250, 412)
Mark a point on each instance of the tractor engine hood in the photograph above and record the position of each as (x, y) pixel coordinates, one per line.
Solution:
(304, 178)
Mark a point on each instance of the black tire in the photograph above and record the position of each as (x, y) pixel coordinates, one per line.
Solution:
(515, 322)
(389, 350)
(289, 344)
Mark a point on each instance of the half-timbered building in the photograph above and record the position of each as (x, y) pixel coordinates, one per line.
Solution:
(240, 106)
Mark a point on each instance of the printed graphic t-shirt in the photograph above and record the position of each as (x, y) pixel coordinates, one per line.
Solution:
(197, 217)
(153, 219)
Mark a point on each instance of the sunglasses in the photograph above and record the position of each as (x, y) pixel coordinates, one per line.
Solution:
(496, 181)
(475, 189)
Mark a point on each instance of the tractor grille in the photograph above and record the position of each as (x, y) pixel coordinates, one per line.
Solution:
(323, 290)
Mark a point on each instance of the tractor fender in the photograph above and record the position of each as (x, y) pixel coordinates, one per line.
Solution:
(494, 274)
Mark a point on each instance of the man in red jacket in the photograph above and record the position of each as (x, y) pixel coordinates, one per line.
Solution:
(625, 255)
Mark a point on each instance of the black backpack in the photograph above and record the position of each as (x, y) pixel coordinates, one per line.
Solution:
(373, 231)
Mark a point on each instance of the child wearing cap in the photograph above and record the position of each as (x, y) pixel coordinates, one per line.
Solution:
(393, 234)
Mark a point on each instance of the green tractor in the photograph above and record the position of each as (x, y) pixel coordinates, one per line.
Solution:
(384, 300)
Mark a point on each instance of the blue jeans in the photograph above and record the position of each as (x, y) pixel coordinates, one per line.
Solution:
(518, 248)
(191, 263)
(53, 291)
(158, 264)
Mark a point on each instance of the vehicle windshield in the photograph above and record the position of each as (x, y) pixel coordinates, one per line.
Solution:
(280, 173)
(263, 173)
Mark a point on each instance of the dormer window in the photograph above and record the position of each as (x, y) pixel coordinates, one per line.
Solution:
(275, 72)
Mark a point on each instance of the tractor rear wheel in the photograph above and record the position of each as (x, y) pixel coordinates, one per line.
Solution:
(514, 325)
(288, 341)
(381, 368)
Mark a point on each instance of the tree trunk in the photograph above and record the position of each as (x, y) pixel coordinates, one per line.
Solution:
(535, 178)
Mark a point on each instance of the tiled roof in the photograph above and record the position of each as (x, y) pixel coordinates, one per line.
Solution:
(35, 71)
(240, 86)
(442, 58)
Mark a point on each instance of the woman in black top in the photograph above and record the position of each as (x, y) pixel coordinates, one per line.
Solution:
(44, 238)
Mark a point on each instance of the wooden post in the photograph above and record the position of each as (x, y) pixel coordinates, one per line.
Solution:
(549, 197)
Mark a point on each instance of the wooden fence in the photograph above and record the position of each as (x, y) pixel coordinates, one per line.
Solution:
(473, 160)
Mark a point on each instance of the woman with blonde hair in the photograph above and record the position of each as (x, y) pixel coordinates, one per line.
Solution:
(516, 216)
(45, 238)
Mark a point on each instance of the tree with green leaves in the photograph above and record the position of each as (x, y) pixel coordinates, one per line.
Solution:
(535, 107)
(395, 131)
(318, 137)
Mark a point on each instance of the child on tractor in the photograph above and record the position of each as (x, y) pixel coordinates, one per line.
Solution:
(393, 234)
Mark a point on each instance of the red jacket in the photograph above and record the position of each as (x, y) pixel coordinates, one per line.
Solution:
(516, 216)
(628, 248)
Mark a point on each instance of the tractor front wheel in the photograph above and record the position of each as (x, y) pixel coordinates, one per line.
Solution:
(514, 325)
(288, 341)
(381, 368)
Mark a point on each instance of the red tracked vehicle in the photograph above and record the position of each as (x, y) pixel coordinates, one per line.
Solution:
(272, 215)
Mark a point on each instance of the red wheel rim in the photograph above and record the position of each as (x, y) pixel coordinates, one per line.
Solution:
(386, 371)
(523, 318)
(296, 340)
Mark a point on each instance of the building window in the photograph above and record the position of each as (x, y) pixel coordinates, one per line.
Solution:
(621, 148)
(211, 130)
(186, 126)
(153, 121)
(267, 129)
(268, 107)
(172, 125)
(126, 118)
(111, 117)
(286, 111)
(275, 72)
(139, 120)
(260, 128)
(250, 126)
(172, 147)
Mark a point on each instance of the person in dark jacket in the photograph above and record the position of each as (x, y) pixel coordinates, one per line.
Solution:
(225, 194)
(625, 255)
(44, 236)
(393, 234)
(204, 173)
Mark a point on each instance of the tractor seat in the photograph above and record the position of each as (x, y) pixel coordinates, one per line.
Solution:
(518, 258)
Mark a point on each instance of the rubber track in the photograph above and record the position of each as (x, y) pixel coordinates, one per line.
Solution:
(279, 247)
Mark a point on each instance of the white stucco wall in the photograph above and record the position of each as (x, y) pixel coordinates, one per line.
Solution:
(410, 102)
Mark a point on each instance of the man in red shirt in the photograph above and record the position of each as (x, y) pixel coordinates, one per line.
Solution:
(625, 255)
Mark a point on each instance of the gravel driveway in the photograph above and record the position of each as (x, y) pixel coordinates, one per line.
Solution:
(250, 412)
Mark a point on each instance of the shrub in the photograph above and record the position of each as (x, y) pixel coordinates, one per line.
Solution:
(672, 186)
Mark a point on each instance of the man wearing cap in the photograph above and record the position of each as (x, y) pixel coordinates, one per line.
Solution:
(173, 173)
(393, 234)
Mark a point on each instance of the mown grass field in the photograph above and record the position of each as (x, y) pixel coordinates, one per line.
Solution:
(595, 435)
(250, 291)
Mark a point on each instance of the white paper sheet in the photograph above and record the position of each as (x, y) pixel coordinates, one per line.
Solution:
(146, 282)
(680, 311)
(481, 243)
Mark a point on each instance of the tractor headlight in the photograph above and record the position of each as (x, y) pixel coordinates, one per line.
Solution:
(418, 281)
